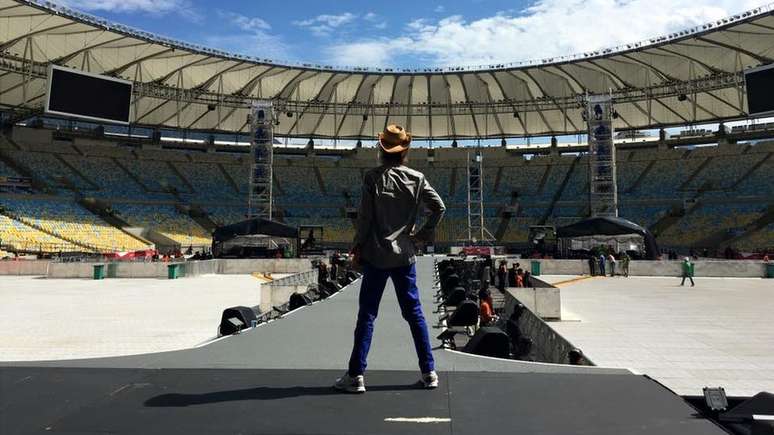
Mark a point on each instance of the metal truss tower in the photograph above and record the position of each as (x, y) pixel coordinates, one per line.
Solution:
(259, 201)
(603, 188)
(477, 231)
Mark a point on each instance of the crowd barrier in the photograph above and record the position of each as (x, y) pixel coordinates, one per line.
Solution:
(549, 346)
(671, 268)
(706, 268)
(187, 269)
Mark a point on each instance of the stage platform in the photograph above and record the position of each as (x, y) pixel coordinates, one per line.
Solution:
(275, 379)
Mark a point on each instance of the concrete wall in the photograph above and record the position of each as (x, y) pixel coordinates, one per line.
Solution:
(278, 292)
(241, 267)
(189, 269)
(24, 267)
(709, 268)
(548, 345)
(543, 301)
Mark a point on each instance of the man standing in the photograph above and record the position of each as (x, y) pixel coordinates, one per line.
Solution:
(611, 261)
(602, 264)
(687, 271)
(384, 245)
(502, 276)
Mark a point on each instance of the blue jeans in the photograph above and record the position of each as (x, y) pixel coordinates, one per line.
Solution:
(405, 281)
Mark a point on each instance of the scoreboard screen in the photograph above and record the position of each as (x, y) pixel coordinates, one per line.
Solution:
(88, 96)
(760, 90)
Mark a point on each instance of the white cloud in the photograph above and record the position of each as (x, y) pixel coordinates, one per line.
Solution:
(249, 24)
(323, 25)
(547, 28)
(252, 38)
(152, 6)
(259, 44)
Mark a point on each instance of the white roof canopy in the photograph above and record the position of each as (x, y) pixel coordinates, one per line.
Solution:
(687, 77)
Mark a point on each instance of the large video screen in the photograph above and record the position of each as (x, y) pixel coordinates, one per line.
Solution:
(88, 96)
(760, 90)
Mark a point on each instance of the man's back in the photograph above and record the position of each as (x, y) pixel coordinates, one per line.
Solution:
(389, 206)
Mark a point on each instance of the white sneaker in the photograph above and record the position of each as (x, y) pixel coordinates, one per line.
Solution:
(430, 380)
(350, 384)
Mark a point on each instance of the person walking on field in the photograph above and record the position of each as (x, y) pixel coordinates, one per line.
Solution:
(385, 247)
(687, 271)
(625, 264)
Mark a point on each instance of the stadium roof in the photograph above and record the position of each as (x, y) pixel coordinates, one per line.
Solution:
(691, 76)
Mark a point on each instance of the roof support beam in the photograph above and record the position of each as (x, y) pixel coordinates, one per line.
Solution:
(207, 83)
(391, 102)
(6, 45)
(532, 95)
(759, 58)
(553, 100)
(690, 58)
(248, 87)
(410, 102)
(66, 58)
(346, 111)
(737, 108)
(118, 70)
(331, 84)
(664, 76)
(333, 94)
(489, 98)
(309, 103)
(169, 75)
(671, 110)
(575, 85)
(470, 108)
(515, 111)
(622, 83)
(292, 84)
(449, 117)
(370, 104)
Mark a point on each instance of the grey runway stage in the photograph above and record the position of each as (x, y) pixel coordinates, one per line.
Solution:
(275, 379)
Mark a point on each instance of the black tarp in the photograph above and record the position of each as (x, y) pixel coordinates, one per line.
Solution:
(256, 226)
(609, 226)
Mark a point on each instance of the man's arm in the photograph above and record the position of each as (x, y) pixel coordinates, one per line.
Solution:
(434, 203)
(364, 213)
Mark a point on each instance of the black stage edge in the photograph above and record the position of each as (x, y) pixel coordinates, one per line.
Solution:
(37, 400)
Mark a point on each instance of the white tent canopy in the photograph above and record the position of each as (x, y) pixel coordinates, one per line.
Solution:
(687, 77)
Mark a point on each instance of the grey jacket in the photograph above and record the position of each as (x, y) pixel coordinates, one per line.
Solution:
(389, 207)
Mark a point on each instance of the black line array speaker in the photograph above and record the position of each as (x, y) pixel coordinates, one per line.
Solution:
(456, 297)
(298, 300)
(466, 314)
(489, 341)
(235, 319)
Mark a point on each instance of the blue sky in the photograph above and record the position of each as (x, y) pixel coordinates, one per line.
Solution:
(404, 33)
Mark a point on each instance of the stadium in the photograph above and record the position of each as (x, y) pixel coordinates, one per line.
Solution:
(134, 157)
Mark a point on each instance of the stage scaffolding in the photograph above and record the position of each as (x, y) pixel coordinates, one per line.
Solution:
(603, 188)
(259, 201)
(477, 232)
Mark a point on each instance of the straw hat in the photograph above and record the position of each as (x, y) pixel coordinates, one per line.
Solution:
(394, 139)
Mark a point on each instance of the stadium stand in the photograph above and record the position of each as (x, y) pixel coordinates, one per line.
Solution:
(68, 221)
(688, 193)
(166, 220)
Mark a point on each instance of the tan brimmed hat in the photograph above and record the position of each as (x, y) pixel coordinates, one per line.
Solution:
(394, 139)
